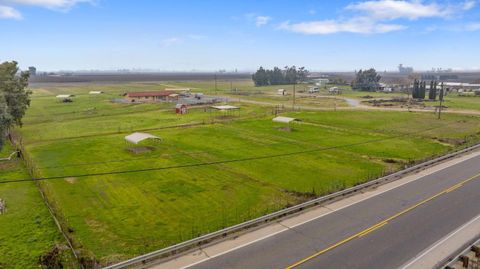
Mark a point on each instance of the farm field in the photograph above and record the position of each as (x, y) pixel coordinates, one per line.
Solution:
(211, 170)
(27, 230)
(247, 91)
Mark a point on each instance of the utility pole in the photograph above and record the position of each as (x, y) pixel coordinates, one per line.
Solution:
(335, 104)
(442, 93)
(293, 103)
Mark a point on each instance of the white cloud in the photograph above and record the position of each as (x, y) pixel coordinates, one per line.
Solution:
(362, 25)
(473, 26)
(258, 20)
(261, 20)
(9, 13)
(395, 9)
(50, 4)
(172, 41)
(469, 4)
(7, 10)
(376, 16)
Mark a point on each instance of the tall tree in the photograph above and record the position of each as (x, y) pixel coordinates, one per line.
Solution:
(302, 74)
(432, 93)
(291, 76)
(277, 77)
(260, 78)
(14, 97)
(423, 89)
(367, 80)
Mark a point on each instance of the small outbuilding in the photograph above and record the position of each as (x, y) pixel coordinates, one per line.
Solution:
(225, 107)
(282, 92)
(136, 138)
(226, 110)
(334, 90)
(64, 96)
(284, 119)
(181, 109)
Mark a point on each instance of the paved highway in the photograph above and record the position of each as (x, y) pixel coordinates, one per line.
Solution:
(385, 231)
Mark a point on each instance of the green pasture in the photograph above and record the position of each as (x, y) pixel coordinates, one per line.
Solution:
(218, 171)
(27, 231)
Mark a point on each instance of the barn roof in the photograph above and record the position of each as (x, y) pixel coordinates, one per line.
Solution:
(136, 138)
(151, 94)
(284, 119)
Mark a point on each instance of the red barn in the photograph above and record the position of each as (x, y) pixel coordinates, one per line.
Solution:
(181, 109)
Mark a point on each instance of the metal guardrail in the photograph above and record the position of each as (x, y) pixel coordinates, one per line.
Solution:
(165, 252)
(464, 250)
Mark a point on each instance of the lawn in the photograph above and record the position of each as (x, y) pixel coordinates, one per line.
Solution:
(27, 230)
(217, 171)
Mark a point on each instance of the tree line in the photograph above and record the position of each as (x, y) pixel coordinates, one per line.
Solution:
(14, 97)
(366, 80)
(277, 76)
(420, 88)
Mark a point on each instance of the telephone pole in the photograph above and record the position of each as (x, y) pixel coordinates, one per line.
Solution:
(293, 103)
(442, 93)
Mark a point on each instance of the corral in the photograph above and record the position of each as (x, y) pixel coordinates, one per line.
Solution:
(209, 171)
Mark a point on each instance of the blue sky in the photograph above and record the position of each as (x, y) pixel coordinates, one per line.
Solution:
(215, 34)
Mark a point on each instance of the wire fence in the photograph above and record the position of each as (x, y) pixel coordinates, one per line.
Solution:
(201, 240)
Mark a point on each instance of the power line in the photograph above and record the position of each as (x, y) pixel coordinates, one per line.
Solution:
(215, 162)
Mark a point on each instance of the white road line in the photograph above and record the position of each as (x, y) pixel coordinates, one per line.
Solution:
(438, 243)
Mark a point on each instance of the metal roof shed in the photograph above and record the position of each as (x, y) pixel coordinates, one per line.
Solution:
(225, 107)
(284, 119)
(136, 138)
(64, 96)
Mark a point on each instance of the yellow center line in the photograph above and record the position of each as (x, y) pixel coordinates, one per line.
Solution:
(372, 229)
(454, 188)
(382, 223)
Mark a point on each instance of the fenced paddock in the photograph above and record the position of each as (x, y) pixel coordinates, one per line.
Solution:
(209, 175)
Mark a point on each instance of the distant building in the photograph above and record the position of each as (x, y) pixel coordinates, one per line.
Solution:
(404, 69)
(181, 109)
(32, 70)
(152, 96)
(321, 81)
(335, 90)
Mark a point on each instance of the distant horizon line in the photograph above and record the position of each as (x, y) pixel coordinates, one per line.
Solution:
(152, 71)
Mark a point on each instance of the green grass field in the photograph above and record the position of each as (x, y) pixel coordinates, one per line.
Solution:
(216, 171)
(27, 231)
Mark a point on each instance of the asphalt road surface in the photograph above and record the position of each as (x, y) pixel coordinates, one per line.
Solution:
(385, 231)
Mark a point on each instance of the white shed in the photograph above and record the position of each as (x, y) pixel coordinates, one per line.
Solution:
(136, 138)
(225, 107)
(64, 96)
(284, 119)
